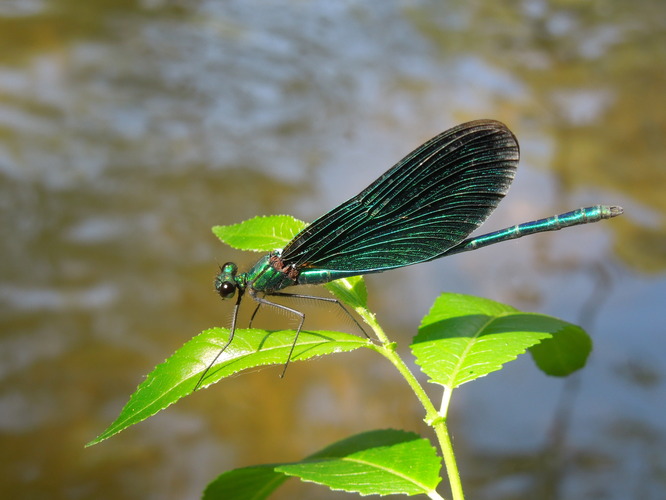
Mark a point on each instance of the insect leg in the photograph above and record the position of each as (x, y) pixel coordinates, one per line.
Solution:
(232, 331)
(325, 299)
(256, 310)
(262, 300)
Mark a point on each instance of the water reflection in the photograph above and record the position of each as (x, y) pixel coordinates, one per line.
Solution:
(128, 129)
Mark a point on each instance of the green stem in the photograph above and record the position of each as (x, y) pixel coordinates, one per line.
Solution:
(450, 463)
(387, 349)
(446, 399)
(435, 419)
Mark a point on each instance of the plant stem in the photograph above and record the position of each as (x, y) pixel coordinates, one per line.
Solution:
(387, 349)
(437, 420)
(450, 463)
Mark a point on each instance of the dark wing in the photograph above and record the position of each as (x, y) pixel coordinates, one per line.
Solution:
(425, 204)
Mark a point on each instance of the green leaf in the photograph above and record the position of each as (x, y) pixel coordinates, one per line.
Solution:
(385, 462)
(463, 338)
(249, 483)
(351, 291)
(179, 374)
(564, 353)
(260, 234)
(382, 462)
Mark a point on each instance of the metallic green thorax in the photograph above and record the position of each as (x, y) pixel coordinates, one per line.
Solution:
(270, 274)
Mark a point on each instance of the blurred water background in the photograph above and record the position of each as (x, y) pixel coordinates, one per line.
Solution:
(129, 128)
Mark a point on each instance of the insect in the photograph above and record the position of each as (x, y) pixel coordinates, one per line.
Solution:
(421, 209)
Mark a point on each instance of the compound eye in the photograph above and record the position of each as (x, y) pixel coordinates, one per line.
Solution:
(226, 289)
